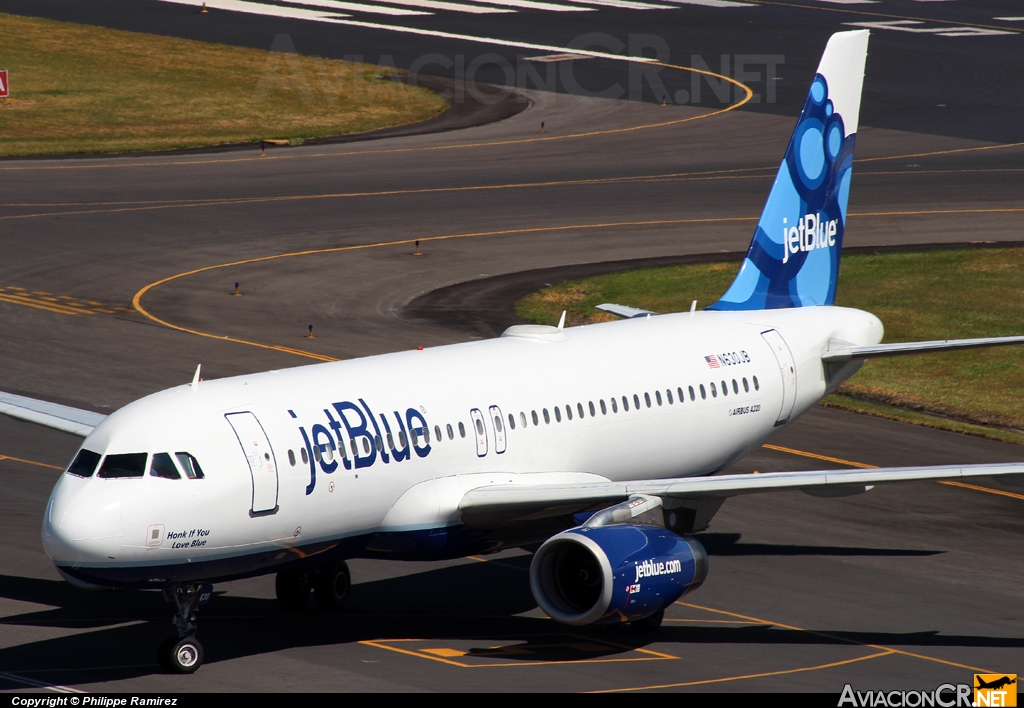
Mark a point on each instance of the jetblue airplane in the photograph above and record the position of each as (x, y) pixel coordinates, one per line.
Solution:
(597, 442)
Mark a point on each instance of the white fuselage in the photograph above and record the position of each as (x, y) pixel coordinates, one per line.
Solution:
(277, 487)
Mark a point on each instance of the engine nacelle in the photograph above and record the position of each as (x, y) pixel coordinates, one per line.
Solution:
(617, 573)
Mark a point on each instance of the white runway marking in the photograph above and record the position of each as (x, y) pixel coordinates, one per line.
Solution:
(255, 8)
(534, 5)
(13, 678)
(491, 40)
(451, 6)
(713, 3)
(625, 4)
(913, 26)
(851, 2)
(359, 7)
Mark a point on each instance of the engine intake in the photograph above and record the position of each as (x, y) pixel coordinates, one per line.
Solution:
(617, 573)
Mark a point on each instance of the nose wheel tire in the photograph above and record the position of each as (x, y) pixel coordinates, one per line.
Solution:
(330, 586)
(181, 656)
(649, 624)
(292, 588)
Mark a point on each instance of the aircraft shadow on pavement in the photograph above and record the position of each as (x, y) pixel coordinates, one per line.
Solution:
(728, 544)
(462, 604)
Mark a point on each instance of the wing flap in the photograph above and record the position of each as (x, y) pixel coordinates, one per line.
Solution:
(52, 415)
(532, 502)
(905, 348)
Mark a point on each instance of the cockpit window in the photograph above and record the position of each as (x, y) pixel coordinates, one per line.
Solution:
(132, 464)
(190, 465)
(84, 463)
(163, 466)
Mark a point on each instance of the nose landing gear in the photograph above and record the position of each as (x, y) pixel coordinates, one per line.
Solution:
(183, 654)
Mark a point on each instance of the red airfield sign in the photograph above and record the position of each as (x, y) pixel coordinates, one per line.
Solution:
(4, 87)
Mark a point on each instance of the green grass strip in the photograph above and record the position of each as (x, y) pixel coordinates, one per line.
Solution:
(939, 294)
(83, 89)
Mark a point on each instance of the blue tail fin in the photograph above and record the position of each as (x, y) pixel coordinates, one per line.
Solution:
(793, 260)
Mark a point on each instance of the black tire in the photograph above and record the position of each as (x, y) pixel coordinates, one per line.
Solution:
(292, 588)
(650, 623)
(330, 586)
(184, 656)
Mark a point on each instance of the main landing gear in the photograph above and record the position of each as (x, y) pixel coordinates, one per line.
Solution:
(183, 654)
(329, 584)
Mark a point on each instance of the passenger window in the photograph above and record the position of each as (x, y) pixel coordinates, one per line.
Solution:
(533, 414)
(305, 457)
(84, 463)
(378, 443)
(511, 422)
(351, 443)
(647, 399)
(757, 386)
(366, 445)
(725, 389)
(497, 424)
(479, 427)
(668, 394)
(391, 441)
(451, 435)
(703, 393)
(190, 465)
(692, 397)
(579, 409)
(437, 433)
(625, 403)
(592, 411)
(682, 398)
(414, 434)
(402, 439)
(329, 453)
(547, 417)
(735, 387)
(316, 452)
(522, 418)
(568, 411)
(558, 414)
(636, 401)
(714, 391)
(341, 449)
(746, 385)
(163, 466)
(615, 406)
(604, 411)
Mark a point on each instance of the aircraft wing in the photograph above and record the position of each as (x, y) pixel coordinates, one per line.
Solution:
(841, 354)
(624, 310)
(516, 502)
(53, 415)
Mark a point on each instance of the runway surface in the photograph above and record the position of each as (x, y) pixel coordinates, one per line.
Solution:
(905, 587)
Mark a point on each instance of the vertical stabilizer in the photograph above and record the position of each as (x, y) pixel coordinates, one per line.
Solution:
(793, 260)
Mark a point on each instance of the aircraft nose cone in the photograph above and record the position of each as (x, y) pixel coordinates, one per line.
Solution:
(84, 529)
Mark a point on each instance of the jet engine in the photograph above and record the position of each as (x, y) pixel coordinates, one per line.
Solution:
(615, 573)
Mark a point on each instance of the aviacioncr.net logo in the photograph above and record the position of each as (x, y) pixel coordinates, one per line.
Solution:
(947, 695)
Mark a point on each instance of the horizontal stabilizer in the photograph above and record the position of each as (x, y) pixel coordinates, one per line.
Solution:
(52, 415)
(903, 348)
(538, 501)
(624, 310)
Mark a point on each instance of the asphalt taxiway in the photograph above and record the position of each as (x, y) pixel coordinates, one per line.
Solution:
(117, 277)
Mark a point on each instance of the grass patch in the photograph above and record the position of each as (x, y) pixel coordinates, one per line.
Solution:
(83, 89)
(941, 294)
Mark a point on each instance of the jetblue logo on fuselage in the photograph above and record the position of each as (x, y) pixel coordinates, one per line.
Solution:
(351, 436)
(811, 232)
